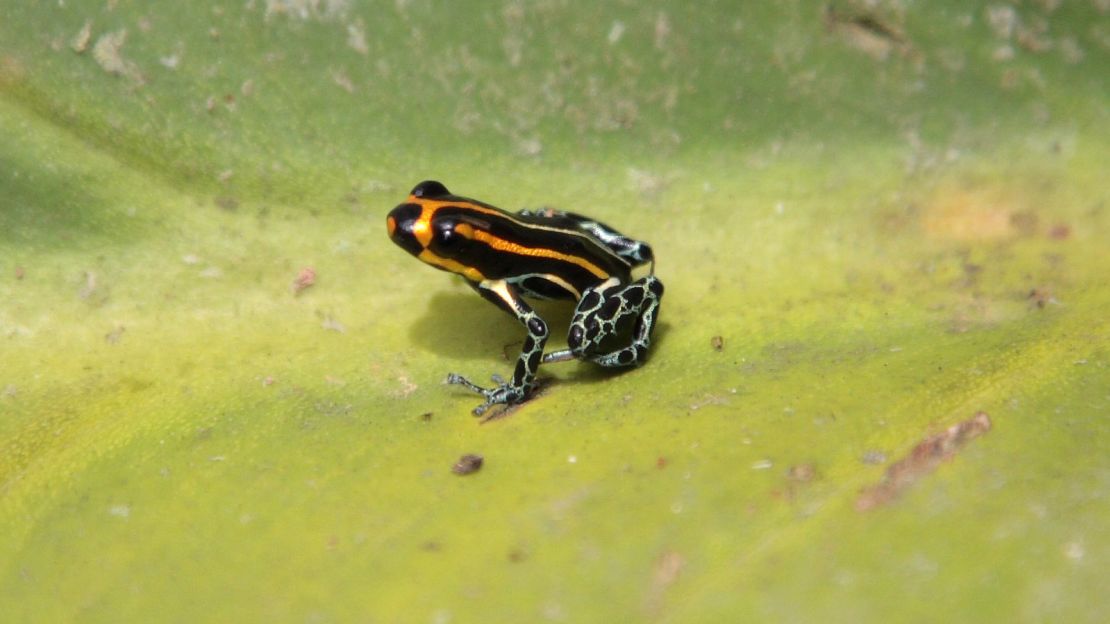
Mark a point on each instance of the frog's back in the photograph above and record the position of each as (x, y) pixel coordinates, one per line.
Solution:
(542, 255)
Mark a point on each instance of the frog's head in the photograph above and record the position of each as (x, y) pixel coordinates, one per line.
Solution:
(408, 224)
(428, 225)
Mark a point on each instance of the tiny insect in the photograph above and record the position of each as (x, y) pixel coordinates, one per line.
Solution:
(539, 254)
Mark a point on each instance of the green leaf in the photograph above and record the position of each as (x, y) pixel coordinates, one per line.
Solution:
(879, 389)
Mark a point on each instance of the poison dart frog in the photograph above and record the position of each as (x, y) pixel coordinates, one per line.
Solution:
(540, 254)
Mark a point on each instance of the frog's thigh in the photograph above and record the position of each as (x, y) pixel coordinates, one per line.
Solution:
(599, 313)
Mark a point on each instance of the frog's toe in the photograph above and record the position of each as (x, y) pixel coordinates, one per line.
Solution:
(481, 409)
(457, 379)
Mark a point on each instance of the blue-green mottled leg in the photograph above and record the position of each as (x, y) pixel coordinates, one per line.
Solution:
(600, 314)
(523, 381)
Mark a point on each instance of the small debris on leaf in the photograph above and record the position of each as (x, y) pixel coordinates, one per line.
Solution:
(717, 342)
(874, 457)
(227, 203)
(356, 38)
(406, 388)
(92, 291)
(80, 41)
(870, 34)
(108, 54)
(330, 323)
(114, 336)
(1041, 297)
(89, 287)
(468, 464)
(306, 277)
(802, 473)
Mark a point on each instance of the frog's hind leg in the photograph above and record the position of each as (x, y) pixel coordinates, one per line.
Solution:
(599, 316)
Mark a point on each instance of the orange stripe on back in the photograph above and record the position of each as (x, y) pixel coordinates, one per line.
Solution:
(422, 230)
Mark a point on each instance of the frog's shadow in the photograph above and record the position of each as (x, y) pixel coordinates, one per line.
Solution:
(460, 325)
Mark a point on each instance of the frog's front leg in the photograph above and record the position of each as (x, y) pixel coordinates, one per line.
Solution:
(602, 314)
(505, 296)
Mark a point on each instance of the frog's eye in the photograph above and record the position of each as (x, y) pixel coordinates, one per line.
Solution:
(445, 235)
(429, 188)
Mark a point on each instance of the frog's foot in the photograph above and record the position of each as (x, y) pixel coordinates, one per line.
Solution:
(504, 393)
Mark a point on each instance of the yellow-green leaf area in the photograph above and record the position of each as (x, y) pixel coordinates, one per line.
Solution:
(877, 222)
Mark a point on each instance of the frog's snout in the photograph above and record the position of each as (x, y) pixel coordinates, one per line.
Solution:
(401, 224)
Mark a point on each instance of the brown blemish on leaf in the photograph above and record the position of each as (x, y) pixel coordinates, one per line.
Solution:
(1060, 232)
(975, 214)
(922, 460)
